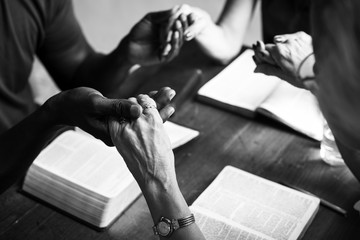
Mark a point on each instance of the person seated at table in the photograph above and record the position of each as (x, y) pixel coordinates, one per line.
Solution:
(49, 29)
(336, 81)
(146, 149)
(223, 40)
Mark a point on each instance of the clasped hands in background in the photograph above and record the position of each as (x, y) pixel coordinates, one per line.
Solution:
(158, 37)
(290, 58)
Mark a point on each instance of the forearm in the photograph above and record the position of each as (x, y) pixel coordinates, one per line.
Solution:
(21, 144)
(166, 200)
(218, 44)
(104, 73)
(223, 40)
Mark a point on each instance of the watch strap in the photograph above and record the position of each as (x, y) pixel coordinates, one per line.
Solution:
(186, 221)
(175, 224)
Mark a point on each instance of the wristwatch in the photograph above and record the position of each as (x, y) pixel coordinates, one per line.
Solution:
(165, 227)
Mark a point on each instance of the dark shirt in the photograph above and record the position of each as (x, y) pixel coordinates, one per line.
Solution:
(285, 16)
(28, 28)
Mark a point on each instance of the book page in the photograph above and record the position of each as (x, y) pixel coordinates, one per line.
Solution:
(178, 134)
(83, 161)
(216, 227)
(258, 204)
(295, 107)
(237, 85)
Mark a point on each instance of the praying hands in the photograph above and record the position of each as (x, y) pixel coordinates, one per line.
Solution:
(290, 57)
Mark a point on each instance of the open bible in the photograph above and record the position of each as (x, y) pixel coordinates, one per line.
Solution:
(237, 88)
(82, 176)
(240, 205)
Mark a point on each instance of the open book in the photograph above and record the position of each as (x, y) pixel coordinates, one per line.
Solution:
(82, 176)
(237, 88)
(240, 205)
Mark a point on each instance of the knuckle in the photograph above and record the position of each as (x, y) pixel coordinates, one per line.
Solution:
(152, 120)
(140, 97)
(119, 107)
(93, 104)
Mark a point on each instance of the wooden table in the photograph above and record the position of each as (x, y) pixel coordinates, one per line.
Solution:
(259, 146)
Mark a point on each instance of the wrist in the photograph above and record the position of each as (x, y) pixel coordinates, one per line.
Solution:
(306, 68)
(121, 54)
(159, 185)
(207, 32)
(48, 109)
(47, 122)
(53, 110)
(165, 199)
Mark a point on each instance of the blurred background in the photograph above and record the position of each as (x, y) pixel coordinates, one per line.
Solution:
(106, 22)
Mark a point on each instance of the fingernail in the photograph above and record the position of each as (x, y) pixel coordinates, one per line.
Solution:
(169, 36)
(166, 49)
(188, 33)
(178, 24)
(279, 39)
(171, 111)
(183, 17)
(172, 94)
(176, 35)
(135, 111)
(188, 36)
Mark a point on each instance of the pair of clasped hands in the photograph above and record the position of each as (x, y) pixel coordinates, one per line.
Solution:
(168, 31)
(290, 57)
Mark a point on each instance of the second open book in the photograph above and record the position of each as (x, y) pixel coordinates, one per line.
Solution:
(237, 88)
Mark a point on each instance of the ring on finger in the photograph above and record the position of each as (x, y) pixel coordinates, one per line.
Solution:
(148, 106)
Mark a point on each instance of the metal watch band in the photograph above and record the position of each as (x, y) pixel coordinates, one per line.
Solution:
(186, 221)
(173, 225)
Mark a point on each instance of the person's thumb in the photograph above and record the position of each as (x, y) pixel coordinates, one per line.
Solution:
(120, 108)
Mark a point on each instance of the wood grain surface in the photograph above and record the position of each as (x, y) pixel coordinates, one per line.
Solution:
(259, 146)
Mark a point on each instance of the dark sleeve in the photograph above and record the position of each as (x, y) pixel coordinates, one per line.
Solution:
(64, 46)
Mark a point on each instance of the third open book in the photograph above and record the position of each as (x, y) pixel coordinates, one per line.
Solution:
(240, 205)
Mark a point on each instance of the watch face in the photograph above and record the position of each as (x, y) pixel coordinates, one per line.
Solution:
(163, 228)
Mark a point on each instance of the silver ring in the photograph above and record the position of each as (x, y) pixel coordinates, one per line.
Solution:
(148, 106)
